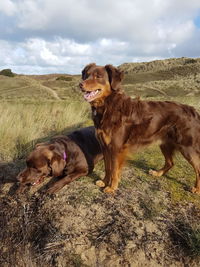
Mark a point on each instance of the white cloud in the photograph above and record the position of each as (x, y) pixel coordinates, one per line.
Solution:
(61, 55)
(88, 20)
(7, 7)
(178, 32)
(67, 34)
(32, 15)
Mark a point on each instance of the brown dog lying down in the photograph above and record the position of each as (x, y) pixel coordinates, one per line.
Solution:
(68, 157)
(124, 125)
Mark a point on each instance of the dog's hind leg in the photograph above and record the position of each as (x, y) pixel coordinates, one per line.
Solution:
(196, 188)
(193, 157)
(168, 151)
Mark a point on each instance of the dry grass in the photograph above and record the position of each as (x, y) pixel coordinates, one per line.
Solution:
(23, 124)
(163, 66)
(184, 232)
(38, 88)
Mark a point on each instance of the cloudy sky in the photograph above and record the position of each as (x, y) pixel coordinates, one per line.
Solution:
(62, 36)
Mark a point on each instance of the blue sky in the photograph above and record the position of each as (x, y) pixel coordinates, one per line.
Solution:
(62, 36)
(197, 21)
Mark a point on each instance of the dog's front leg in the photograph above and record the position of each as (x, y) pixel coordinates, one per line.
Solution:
(111, 180)
(66, 180)
(112, 174)
(113, 165)
(108, 168)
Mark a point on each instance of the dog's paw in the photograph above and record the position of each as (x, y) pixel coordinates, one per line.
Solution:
(195, 190)
(100, 183)
(109, 190)
(155, 173)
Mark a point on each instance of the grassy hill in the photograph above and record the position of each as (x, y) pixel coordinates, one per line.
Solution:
(171, 79)
(179, 78)
(149, 222)
(38, 87)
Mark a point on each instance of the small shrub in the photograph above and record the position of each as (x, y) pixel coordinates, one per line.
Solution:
(64, 78)
(186, 237)
(190, 61)
(7, 72)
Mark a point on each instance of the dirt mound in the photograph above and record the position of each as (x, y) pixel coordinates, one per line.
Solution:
(82, 226)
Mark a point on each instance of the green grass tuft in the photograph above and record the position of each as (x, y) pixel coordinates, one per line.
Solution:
(186, 236)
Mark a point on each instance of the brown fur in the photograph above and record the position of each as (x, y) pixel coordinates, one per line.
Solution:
(124, 125)
(82, 152)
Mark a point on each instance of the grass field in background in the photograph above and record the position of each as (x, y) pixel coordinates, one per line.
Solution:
(24, 124)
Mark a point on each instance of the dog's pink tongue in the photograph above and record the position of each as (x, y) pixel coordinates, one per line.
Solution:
(90, 95)
(87, 96)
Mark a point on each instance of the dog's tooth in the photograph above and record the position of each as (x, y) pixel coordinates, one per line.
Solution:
(91, 94)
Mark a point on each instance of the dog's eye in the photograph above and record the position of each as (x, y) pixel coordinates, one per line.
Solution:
(98, 76)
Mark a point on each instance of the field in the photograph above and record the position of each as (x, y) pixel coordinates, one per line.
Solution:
(148, 222)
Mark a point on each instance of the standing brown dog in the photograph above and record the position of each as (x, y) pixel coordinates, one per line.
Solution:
(124, 124)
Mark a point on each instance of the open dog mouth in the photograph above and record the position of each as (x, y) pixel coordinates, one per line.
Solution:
(23, 186)
(91, 95)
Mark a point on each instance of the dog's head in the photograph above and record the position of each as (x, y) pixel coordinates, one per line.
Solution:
(98, 82)
(44, 160)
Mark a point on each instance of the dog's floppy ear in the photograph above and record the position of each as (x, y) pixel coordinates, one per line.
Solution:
(115, 76)
(85, 70)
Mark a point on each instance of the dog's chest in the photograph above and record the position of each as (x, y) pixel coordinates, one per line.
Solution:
(97, 116)
(103, 133)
